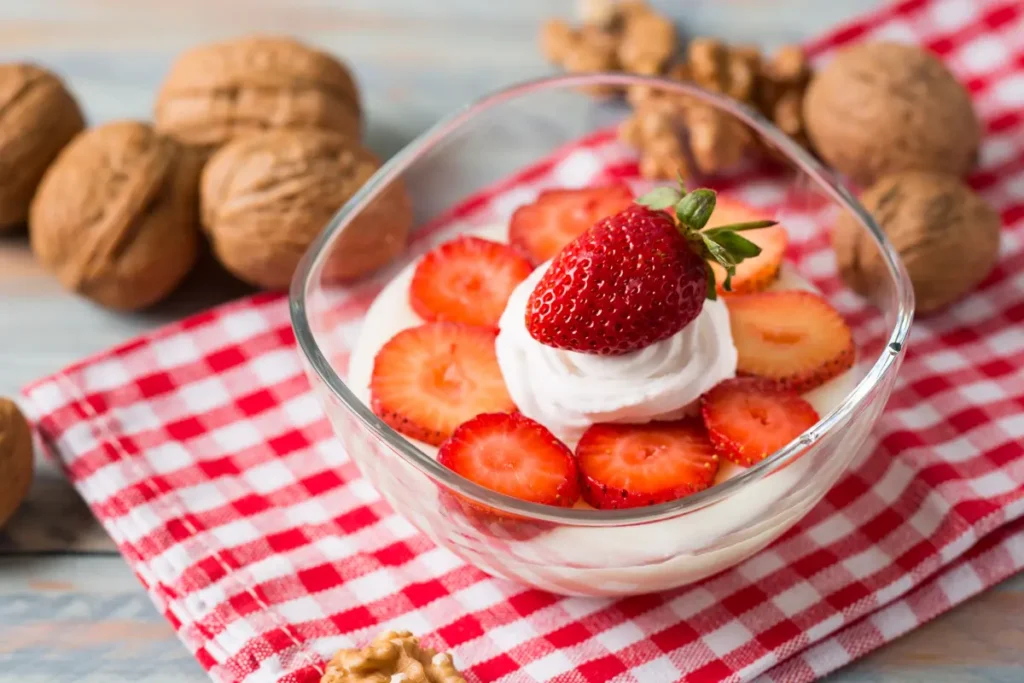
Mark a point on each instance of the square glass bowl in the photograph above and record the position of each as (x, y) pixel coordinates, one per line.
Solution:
(533, 134)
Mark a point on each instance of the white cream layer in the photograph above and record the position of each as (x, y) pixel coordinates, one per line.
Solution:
(568, 392)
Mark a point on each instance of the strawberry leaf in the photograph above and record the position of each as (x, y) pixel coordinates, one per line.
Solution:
(719, 253)
(740, 227)
(723, 257)
(696, 208)
(712, 289)
(681, 181)
(738, 246)
(660, 198)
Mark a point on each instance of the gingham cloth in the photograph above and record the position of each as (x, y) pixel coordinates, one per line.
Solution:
(202, 451)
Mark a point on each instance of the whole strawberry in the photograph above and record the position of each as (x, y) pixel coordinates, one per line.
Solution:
(638, 276)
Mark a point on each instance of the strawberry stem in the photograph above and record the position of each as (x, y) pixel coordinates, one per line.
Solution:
(721, 244)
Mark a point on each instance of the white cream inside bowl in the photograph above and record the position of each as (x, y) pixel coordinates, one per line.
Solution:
(639, 558)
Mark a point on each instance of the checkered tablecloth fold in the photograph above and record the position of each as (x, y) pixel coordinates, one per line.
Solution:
(203, 452)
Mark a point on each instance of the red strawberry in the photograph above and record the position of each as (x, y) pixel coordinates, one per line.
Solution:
(749, 418)
(467, 280)
(428, 380)
(512, 454)
(793, 337)
(543, 228)
(624, 466)
(635, 278)
(758, 272)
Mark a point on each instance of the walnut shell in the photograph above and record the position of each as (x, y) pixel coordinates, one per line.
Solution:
(882, 108)
(115, 215)
(220, 91)
(265, 198)
(15, 459)
(38, 116)
(947, 236)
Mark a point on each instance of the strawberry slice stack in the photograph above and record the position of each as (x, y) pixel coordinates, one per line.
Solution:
(622, 275)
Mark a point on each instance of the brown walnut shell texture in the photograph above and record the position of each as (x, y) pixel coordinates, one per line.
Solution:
(16, 464)
(265, 198)
(38, 116)
(115, 216)
(221, 91)
(946, 235)
(881, 108)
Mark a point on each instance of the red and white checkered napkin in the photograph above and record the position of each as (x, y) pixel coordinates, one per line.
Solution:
(204, 454)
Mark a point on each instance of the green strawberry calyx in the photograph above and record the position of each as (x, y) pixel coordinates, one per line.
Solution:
(722, 244)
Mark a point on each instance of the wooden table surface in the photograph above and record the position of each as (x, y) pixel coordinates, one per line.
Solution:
(70, 609)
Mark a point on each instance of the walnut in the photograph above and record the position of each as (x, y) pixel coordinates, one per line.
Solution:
(15, 459)
(265, 197)
(223, 90)
(392, 656)
(665, 126)
(782, 86)
(946, 235)
(38, 116)
(882, 108)
(615, 36)
(648, 42)
(694, 137)
(657, 130)
(602, 13)
(115, 215)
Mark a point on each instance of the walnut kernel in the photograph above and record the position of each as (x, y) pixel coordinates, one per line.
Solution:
(392, 656)
(714, 139)
(614, 36)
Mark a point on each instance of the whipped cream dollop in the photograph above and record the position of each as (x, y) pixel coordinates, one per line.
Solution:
(568, 392)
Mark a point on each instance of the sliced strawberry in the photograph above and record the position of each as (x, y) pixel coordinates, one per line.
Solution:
(625, 466)
(758, 272)
(557, 217)
(467, 280)
(428, 380)
(793, 338)
(511, 454)
(749, 418)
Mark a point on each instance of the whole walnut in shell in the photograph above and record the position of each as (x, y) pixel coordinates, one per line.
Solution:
(38, 116)
(265, 198)
(882, 108)
(15, 459)
(220, 91)
(946, 235)
(115, 215)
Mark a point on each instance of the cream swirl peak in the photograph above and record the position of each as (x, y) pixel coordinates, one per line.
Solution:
(567, 391)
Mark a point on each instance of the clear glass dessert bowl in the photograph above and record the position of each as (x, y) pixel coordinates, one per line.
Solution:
(550, 129)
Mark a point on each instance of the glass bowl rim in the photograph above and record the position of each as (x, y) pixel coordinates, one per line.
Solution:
(887, 362)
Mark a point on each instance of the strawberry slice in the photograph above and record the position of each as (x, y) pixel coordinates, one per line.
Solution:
(625, 466)
(793, 338)
(749, 418)
(759, 272)
(467, 280)
(512, 454)
(428, 380)
(542, 229)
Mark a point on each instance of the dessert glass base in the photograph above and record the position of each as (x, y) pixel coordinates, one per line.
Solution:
(471, 171)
